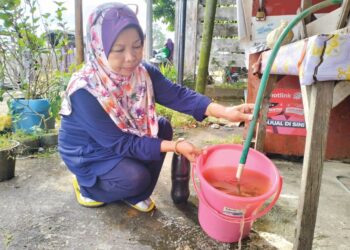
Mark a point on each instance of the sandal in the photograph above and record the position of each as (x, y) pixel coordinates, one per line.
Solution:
(84, 201)
(143, 206)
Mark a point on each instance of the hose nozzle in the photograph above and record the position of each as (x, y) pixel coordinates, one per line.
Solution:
(239, 171)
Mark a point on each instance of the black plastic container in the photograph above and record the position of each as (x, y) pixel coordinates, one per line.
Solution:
(180, 176)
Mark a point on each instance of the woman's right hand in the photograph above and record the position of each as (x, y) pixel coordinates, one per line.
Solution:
(187, 149)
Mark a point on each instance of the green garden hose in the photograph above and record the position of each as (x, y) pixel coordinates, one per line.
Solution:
(266, 73)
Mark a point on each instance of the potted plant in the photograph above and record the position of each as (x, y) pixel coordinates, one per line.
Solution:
(31, 62)
(29, 143)
(7, 157)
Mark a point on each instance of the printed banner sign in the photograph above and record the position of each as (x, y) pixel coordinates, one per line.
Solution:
(286, 113)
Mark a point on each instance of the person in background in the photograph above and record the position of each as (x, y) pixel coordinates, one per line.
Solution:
(111, 137)
(165, 54)
(170, 46)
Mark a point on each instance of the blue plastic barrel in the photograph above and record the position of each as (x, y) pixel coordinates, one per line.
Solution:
(29, 114)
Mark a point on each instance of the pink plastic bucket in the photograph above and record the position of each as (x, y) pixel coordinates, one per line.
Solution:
(221, 215)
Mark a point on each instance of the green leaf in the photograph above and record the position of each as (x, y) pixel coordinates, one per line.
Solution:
(21, 43)
(4, 16)
(33, 10)
(58, 3)
(35, 20)
(7, 23)
(46, 15)
(59, 14)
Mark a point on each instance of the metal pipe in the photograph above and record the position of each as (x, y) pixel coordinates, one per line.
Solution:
(180, 43)
(149, 31)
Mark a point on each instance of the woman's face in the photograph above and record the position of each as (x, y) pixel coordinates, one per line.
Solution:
(126, 53)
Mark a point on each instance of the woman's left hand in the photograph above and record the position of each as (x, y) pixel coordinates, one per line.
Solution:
(239, 113)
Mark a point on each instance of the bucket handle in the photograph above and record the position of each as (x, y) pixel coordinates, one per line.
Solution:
(238, 219)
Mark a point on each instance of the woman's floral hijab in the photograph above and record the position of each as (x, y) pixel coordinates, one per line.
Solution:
(129, 101)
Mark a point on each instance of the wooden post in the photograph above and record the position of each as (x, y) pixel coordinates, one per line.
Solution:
(304, 5)
(341, 91)
(79, 37)
(261, 128)
(317, 100)
(305, 90)
(316, 140)
(305, 93)
(345, 8)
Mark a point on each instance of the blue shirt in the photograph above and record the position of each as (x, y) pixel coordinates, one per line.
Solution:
(91, 144)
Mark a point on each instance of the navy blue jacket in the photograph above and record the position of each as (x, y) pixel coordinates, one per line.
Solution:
(91, 144)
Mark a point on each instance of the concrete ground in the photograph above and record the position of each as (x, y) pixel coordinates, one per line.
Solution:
(38, 211)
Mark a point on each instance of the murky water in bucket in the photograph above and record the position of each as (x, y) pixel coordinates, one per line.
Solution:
(251, 184)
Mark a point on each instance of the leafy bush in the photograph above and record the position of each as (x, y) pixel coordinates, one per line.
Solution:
(5, 142)
(169, 71)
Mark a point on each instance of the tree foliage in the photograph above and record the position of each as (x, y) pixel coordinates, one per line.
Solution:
(159, 38)
(164, 10)
(28, 63)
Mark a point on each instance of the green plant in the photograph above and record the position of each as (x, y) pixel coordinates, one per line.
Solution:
(60, 82)
(30, 62)
(29, 142)
(169, 71)
(5, 122)
(21, 136)
(6, 142)
(43, 131)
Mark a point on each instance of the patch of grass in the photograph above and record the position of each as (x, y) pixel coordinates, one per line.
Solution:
(20, 136)
(182, 120)
(177, 119)
(236, 85)
(45, 153)
(164, 111)
(7, 238)
(232, 139)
